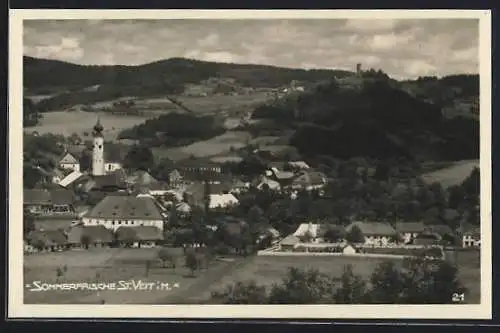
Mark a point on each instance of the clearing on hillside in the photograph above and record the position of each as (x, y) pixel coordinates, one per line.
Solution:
(453, 175)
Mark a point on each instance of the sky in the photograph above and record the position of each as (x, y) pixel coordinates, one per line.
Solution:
(405, 48)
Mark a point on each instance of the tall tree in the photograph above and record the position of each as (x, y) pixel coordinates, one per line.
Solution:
(387, 284)
(139, 158)
(355, 235)
(352, 289)
(303, 287)
(241, 293)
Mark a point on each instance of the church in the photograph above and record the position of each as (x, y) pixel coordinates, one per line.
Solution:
(106, 172)
(102, 163)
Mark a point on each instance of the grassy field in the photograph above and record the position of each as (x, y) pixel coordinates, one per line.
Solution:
(113, 265)
(267, 270)
(67, 123)
(219, 144)
(452, 175)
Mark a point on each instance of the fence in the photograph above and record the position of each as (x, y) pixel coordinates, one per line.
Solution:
(331, 254)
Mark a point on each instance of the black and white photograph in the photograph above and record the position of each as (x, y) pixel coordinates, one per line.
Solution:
(240, 159)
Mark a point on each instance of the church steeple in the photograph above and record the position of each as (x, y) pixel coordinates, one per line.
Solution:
(98, 150)
(98, 128)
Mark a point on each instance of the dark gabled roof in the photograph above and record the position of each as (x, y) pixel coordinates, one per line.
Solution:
(48, 237)
(36, 197)
(373, 228)
(62, 197)
(141, 233)
(126, 207)
(53, 196)
(410, 227)
(310, 177)
(469, 229)
(141, 178)
(440, 229)
(323, 228)
(115, 179)
(96, 234)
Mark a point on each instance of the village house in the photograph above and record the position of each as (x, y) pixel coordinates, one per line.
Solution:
(309, 180)
(175, 179)
(264, 182)
(183, 209)
(223, 201)
(308, 233)
(69, 162)
(90, 236)
(375, 233)
(297, 165)
(471, 236)
(427, 238)
(140, 179)
(195, 170)
(446, 234)
(46, 223)
(196, 193)
(409, 230)
(53, 176)
(69, 179)
(115, 211)
(239, 187)
(139, 237)
(49, 202)
(289, 243)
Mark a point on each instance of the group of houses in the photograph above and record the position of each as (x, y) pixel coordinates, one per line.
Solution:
(337, 238)
(110, 205)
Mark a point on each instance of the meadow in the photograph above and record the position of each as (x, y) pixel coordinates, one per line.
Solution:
(452, 175)
(113, 266)
(81, 122)
(266, 270)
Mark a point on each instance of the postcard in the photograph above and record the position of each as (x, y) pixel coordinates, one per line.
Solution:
(250, 164)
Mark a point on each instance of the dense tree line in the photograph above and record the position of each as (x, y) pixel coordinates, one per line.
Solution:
(376, 121)
(416, 281)
(161, 77)
(175, 129)
(31, 113)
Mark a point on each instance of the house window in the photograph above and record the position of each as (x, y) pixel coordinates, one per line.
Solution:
(119, 222)
(113, 223)
(132, 222)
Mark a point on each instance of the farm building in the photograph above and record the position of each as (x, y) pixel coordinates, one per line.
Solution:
(471, 236)
(115, 211)
(49, 202)
(409, 230)
(145, 236)
(309, 180)
(289, 243)
(375, 233)
(69, 162)
(222, 201)
(90, 236)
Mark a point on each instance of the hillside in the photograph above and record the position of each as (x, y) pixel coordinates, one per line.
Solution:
(69, 82)
(374, 118)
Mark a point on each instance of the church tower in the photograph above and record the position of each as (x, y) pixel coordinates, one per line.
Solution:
(98, 150)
